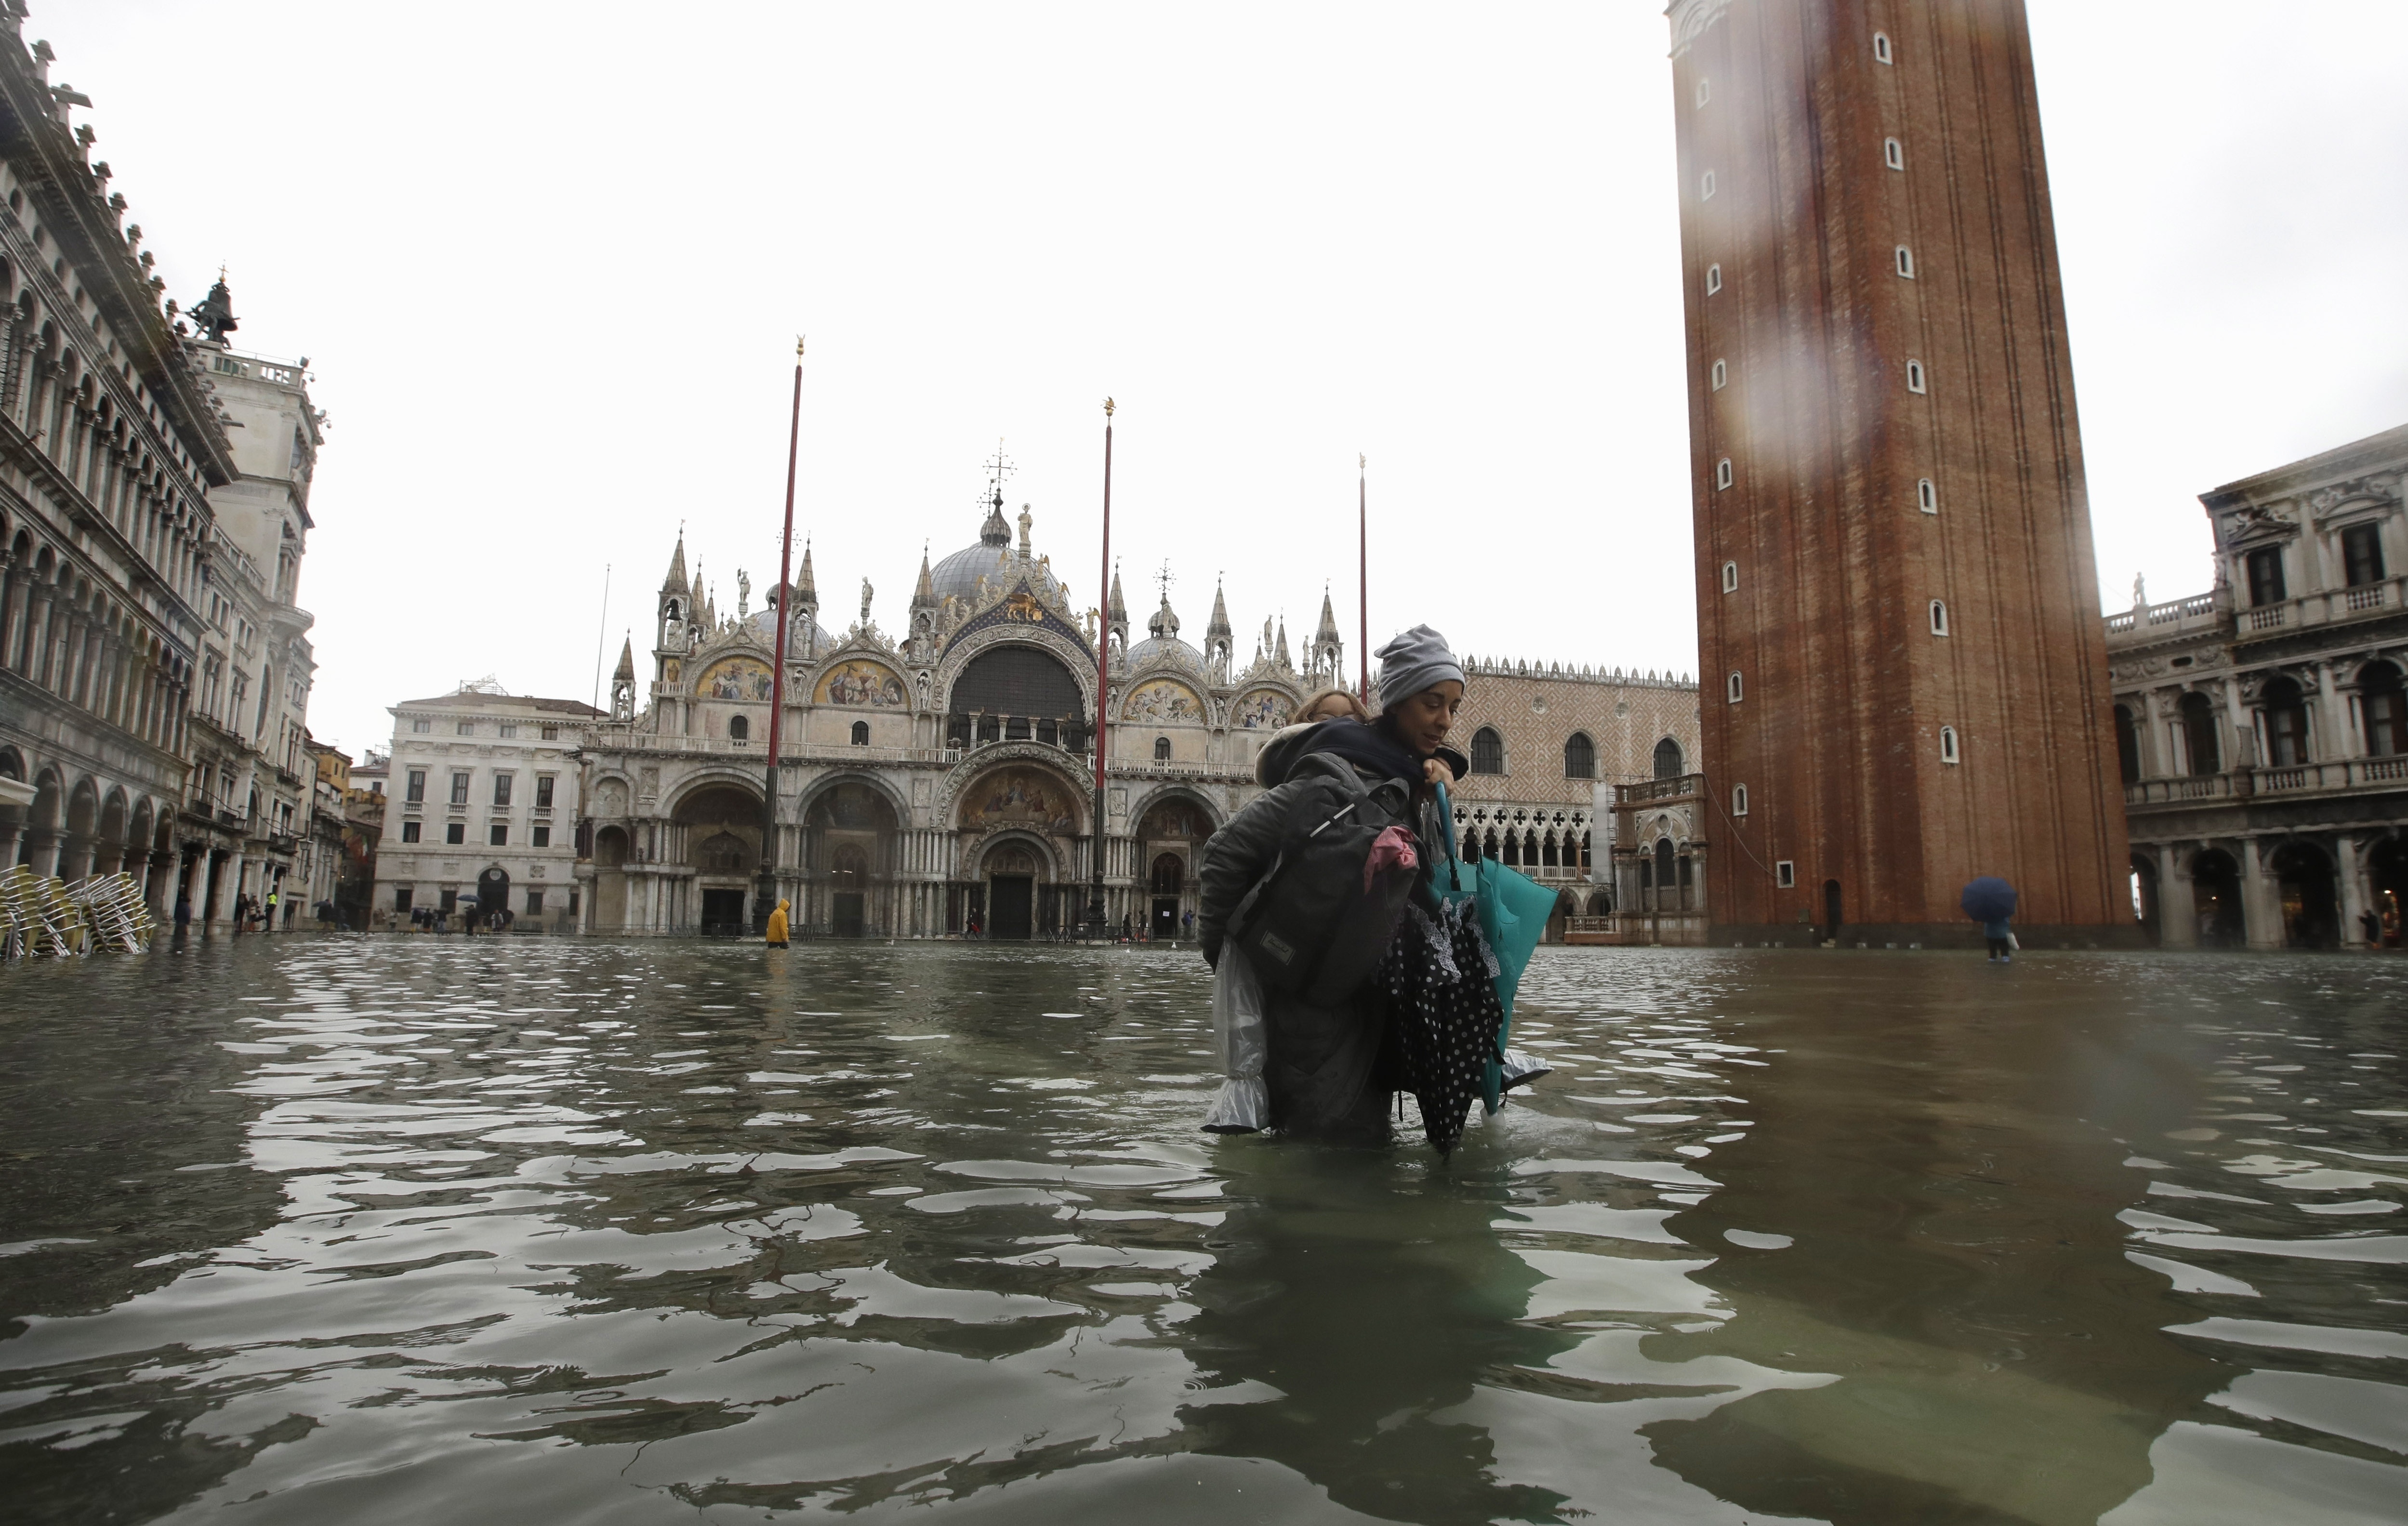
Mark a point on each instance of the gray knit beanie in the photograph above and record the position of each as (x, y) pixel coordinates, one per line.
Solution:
(1412, 661)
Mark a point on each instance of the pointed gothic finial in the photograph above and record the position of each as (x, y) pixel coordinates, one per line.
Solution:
(1281, 651)
(626, 668)
(675, 583)
(1328, 631)
(1118, 612)
(923, 596)
(1219, 623)
(807, 591)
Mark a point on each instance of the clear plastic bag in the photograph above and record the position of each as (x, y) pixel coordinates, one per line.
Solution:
(1244, 1105)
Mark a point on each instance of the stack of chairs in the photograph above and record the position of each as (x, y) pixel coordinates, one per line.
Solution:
(39, 919)
(113, 913)
(47, 917)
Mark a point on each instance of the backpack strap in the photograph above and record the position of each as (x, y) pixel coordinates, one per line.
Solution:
(1244, 908)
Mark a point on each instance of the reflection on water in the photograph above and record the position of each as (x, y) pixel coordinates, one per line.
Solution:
(421, 1230)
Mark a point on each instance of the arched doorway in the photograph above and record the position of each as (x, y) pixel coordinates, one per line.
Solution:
(1012, 891)
(2146, 909)
(1169, 870)
(849, 837)
(2386, 869)
(2304, 877)
(610, 880)
(1042, 810)
(2216, 891)
(848, 890)
(1171, 835)
(1832, 909)
(722, 832)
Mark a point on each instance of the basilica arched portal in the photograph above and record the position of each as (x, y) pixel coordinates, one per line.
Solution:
(1020, 823)
(849, 859)
(715, 838)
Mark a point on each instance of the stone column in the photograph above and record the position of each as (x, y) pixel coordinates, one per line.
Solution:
(36, 664)
(2177, 902)
(75, 668)
(2340, 739)
(155, 883)
(2349, 870)
(2261, 899)
(228, 886)
(44, 857)
(2239, 744)
(13, 603)
(12, 835)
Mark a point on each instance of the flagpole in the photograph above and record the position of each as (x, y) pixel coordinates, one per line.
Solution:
(1363, 566)
(1103, 650)
(602, 636)
(765, 889)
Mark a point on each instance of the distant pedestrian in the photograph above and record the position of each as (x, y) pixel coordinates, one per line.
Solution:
(2001, 939)
(2371, 922)
(1188, 926)
(1125, 927)
(776, 932)
(183, 913)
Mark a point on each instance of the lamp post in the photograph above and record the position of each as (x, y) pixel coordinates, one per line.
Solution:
(1103, 650)
(765, 887)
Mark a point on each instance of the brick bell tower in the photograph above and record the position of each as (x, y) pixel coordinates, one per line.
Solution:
(1903, 672)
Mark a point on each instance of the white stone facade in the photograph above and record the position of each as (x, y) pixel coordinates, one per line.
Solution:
(482, 783)
(2262, 726)
(942, 779)
(248, 820)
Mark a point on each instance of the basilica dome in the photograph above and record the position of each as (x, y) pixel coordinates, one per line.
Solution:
(766, 625)
(957, 575)
(1161, 647)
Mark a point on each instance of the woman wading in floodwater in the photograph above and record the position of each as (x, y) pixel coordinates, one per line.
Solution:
(1327, 1071)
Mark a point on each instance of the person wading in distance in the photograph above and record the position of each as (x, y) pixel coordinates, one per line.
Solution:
(1328, 1074)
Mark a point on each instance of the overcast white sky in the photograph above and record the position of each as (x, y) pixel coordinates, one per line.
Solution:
(548, 263)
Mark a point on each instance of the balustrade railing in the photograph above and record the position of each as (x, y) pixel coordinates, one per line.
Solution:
(2338, 774)
(1671, 788)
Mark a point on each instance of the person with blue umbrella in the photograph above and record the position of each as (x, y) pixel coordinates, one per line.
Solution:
(1991, 902)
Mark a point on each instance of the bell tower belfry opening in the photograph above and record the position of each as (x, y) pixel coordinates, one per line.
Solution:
(1881, 427)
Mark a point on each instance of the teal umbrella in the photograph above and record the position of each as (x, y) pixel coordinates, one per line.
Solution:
(1512, 909)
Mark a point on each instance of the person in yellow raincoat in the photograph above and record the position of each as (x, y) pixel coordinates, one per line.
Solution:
(778, 926)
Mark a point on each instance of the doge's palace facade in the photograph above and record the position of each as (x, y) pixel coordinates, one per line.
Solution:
(943, 777)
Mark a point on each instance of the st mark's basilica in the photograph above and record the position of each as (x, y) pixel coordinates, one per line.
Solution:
(941, 779)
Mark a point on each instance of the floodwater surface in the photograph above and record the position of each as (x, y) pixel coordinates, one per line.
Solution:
(418, 1230)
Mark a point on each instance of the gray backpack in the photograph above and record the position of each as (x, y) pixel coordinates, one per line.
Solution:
(1309, 927)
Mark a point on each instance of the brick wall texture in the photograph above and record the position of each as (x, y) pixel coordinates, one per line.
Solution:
(1789, 107)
